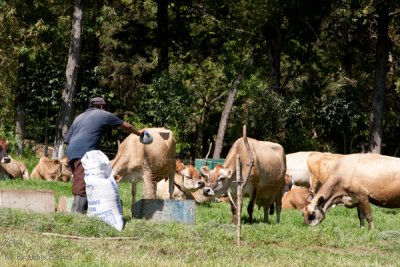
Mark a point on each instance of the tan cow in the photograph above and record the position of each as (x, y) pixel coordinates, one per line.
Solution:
(16, 169)
(357, 180)
(52, 170)
(153, 162)
(265, 183)
(319, 165)
(297, 170)
(297, 198)
(187, 180)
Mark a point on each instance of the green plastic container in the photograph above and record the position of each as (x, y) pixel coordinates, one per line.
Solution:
(210, 163)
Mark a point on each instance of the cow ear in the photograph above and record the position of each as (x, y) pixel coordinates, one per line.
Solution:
(310, 197)
(180, 167)
(229, 173)
(205, 170)
(321, 200)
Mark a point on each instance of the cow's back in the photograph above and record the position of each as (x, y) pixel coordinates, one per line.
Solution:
(375, 175)
(297, 198)
(297, 168)
(133, 156)
(268, 172)
(270, 162)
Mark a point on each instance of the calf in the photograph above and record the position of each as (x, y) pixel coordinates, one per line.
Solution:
(297, 198)
(52, 170)
(16, 169)
(186, 181)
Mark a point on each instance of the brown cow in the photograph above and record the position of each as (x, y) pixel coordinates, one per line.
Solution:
(187, 181)
(153, 162)
(357, 180)
(319, 165)
(52, 170)
(297, 198)
(265, 183)
(16, 169)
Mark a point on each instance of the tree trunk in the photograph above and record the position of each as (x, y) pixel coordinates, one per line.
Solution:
(20, 102)
(227, 110)
(162, 25)
(200, 131)
(382, 48)
(273, 36)
(71, 73)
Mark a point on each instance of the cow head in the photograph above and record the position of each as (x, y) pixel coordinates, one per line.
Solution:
(187, 177)
(218, 180)
(4, 158)
(314, 212)
(66, 172)
(53, 170)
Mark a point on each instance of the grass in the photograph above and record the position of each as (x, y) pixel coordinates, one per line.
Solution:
(338, 241)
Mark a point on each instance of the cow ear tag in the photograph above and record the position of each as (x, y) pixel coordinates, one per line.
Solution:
(146, 138)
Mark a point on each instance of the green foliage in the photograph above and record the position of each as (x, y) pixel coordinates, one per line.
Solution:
(327, 57)
(164, 101)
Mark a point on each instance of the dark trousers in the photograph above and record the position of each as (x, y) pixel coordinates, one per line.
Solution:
(78, 181)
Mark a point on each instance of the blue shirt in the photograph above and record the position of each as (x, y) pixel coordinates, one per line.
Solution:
(87, 130)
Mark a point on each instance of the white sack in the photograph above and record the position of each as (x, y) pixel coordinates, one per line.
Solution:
(101, 189)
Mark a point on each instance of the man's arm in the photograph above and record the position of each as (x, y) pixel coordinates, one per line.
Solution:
(129, 128)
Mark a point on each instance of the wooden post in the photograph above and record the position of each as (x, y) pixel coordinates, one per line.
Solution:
(239, 181)
(246, 143)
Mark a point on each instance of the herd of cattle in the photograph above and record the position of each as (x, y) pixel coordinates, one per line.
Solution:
(309, 181)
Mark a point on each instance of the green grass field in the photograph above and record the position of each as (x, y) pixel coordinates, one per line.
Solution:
(338, 241)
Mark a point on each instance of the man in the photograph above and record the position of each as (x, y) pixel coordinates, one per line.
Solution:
(84, 135)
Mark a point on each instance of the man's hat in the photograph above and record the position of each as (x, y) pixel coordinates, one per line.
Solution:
(97, 101)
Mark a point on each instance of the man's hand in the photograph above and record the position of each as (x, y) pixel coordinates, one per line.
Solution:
(128, 127)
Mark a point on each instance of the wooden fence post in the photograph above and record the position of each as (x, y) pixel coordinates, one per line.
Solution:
(239, 181)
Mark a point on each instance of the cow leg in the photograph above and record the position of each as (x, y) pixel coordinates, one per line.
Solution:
(133, 191)
(365, 208)
(250, 209)
(171, 177)
(360, 215)
(234, 213)
(171, 187)
(278, 202)
(149, 190)
(268, 211)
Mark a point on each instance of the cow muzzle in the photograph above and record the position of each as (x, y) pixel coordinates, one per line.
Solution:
(313, 216)
(5, 160)
(208, 191)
